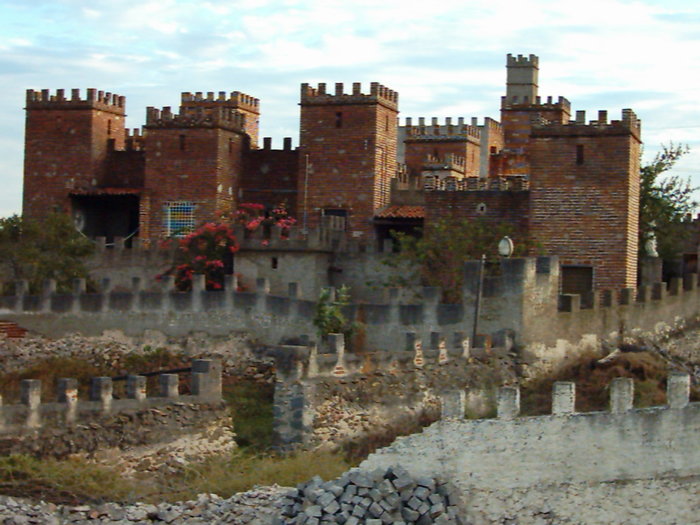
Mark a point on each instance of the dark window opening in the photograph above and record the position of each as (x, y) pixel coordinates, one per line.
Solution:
(274, 263)
(335, 212)
(579, 154)
(386, 123)
(230, 145)
(493, 150)
(339, 119)
(182, 142)
(109, 127)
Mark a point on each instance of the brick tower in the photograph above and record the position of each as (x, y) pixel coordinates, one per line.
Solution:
(584, 199)
(67, 143)
(347, 154)
(522, 106)
(194, 161)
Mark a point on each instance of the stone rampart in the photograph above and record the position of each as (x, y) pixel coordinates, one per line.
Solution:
(495, 461)
(522, 299)
(31, 414)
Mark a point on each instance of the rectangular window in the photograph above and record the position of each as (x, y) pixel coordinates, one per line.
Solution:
(339, 119)
(579, 154)
(178, 218)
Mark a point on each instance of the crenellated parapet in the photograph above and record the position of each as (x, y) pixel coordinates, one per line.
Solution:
(235, 100)
(94, 99)
(507, 183)
(447, 131)
(378, 94)
(537, 103)
(522, 61)
(134, 140)
(196, 117)
(32, 413)
(628, 124)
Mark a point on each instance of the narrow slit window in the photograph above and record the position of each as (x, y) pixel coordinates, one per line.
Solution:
(579, 154)
(339, 119)
(274, 263)
(182, 143)
(109, 127)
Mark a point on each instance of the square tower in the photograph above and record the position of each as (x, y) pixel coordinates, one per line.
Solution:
(347, 154)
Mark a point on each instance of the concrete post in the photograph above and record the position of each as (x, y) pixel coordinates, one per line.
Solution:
(136, 387)
(508, 402)
(453, 405)
(30, 396)
(67, 392)
(199, 286)
(262, 289)
(101, 390)
(48, 289)
(621, 395)
(336, 345)
(563, 398)
(169, 385)
(677, 390)
(206, 379)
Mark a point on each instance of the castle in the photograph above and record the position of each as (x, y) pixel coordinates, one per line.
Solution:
(572, 185)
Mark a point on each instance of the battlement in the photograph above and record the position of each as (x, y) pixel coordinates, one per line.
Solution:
(628, 124)
(134, 140)
(520, 60)
(622, 443)
(377, 94)
(286, 143)
(94, 99)
(31, 413)
(235, 99)
(196, 117)
(538, 103)
(448, 162)
(507, 183)
(441, 132)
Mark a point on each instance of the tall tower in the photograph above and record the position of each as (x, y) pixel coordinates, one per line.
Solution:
(67, 143)
(194, 161)
(522, 106)
(347, 154)
(584, 199)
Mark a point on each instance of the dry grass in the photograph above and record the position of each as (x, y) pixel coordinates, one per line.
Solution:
(592, 379)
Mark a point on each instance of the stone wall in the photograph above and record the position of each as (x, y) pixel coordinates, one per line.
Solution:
(70, 425)
(330, 395)
(558, 465)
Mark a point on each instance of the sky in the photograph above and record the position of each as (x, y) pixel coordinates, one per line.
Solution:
(445, 59)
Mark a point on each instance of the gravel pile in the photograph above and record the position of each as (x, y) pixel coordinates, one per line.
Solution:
(390, 497)
(255, 507)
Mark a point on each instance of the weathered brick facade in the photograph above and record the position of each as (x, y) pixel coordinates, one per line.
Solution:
(347, 154)
(573, 186)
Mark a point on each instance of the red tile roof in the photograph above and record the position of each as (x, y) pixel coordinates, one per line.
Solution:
(401, 212)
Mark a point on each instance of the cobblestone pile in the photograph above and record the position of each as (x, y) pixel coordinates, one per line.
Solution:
(381, 497)
(254, 507)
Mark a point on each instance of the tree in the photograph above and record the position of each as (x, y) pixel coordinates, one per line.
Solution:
(439, 255)
(664, 202)
(38, 250)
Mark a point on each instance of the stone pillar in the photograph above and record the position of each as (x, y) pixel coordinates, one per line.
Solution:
(206, 379)
(136, 387)
(101, 391)
(169, 385)
(30, 396)
(621, 395)
(677, 390)
(650, 270)
(67, 392)
(199, 286)
(563, 398)
(508, 402)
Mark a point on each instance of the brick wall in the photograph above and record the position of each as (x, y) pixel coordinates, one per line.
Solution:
(587, 212)
(199, 164)
(270, 177)
(66, 146)
(348, 142)
(510, 207)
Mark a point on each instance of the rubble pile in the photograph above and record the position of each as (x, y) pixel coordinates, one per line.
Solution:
(254, 507)
(372, 498)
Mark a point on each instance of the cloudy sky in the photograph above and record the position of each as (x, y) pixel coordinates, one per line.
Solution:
(444, 58)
